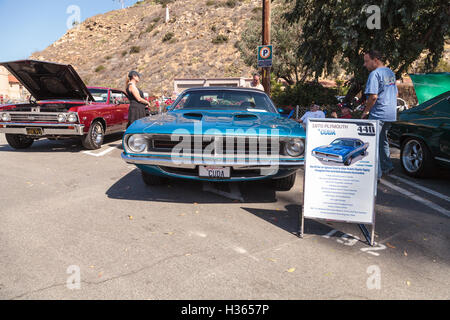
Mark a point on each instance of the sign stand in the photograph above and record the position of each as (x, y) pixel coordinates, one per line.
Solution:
(369, 237)
(334, 171)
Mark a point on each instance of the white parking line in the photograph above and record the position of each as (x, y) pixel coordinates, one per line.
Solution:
(417, 198)
(415, 185)
(101, 154)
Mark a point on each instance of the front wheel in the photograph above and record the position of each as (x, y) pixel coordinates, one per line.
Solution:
(286, 183)
(94, 139)
(348, 162)
(415, 158)
(18, 141)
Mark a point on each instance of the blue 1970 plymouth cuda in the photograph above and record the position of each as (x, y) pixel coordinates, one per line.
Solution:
(342, 150)
(217, 134)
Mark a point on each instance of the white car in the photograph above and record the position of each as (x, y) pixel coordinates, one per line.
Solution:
(402, 105)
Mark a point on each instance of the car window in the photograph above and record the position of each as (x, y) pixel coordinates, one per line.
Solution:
(125, 99)
(344, 143)
(100, 95)
(118, 97)
(225, 99)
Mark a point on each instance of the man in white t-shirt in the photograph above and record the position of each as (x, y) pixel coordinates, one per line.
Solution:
(314, 113)
(256, 83)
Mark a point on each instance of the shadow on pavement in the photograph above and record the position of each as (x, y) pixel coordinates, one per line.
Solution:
(131, 187)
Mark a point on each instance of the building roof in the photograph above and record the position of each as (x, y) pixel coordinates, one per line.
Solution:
(12, 79)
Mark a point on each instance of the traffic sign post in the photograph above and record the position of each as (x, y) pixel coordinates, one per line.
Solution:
(265, 54)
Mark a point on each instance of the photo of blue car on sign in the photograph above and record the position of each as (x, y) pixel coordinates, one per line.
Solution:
(342, 150)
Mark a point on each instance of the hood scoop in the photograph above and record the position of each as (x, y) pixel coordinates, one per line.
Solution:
(245, 117)
(193, 116)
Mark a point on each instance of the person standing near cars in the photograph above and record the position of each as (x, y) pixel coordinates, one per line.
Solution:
(381, 104)
(256, 83)
(313, 113)
(138, 105)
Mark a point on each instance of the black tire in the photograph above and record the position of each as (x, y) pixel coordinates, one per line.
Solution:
(416, 159)
(18, 141)
(286, 183)
(94, 139)
(151, 180)
(348, 162)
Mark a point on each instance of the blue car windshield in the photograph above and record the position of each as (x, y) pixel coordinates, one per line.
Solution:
(226, 100)
(344, 143)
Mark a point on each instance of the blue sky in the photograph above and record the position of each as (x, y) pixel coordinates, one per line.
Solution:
(27, 26)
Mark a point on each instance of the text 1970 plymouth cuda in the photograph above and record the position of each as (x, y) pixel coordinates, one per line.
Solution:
(64, 107)
(217, 134)
(341, 151)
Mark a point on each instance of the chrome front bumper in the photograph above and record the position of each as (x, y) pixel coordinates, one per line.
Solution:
(192, 162)
(48, 129)
(326, 158)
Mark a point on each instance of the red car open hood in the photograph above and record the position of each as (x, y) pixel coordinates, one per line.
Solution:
(48, 81)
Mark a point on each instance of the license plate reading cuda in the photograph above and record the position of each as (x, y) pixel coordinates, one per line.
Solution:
(214, 172)
(34, 131)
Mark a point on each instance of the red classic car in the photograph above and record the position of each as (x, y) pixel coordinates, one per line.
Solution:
(63, 107)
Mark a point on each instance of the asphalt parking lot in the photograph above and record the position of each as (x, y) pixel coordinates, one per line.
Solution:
(62, 206)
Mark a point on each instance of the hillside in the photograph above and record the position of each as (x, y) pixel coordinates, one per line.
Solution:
(198, 42)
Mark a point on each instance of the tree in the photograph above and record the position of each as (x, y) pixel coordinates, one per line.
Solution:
(286, 64)
(336, 32)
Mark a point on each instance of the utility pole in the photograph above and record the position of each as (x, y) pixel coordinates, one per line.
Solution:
(266, 41)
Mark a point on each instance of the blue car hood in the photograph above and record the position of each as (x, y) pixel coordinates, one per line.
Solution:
(217, 122)
(336, 150)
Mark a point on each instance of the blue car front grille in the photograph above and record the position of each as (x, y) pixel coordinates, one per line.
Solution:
(224, 146)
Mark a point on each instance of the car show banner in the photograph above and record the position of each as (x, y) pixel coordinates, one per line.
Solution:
(341, 172)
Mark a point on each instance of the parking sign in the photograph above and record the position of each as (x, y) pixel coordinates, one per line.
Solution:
(265, 54)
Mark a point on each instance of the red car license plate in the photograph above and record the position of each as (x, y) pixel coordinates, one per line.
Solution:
(34, 131)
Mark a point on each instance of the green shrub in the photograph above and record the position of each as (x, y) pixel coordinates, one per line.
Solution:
(135, 49)
(164, 3)
(231, 3)
(168, 36)
(100, 68)
(304, 94)
(150, 28)
(220, 39)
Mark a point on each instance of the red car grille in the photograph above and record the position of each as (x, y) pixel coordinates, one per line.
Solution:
(34, 117)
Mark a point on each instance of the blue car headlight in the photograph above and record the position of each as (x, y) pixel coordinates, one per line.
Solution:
(137, 143)
(294, 147)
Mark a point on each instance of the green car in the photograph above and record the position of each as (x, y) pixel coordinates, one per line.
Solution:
(423, 132)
